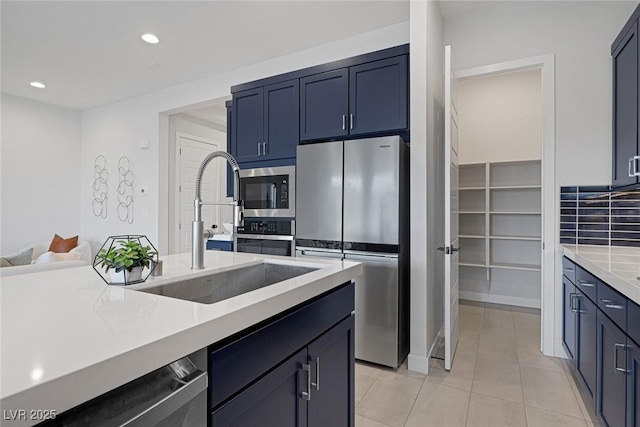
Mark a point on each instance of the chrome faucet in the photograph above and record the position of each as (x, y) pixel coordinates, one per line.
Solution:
(197, 227)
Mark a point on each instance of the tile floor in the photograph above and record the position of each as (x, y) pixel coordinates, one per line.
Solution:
(499, 379)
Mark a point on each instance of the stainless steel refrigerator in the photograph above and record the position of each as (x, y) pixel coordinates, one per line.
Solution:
(352, 203)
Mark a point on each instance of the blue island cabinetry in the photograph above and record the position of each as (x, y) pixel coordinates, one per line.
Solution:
(601, 330)
(297, 370)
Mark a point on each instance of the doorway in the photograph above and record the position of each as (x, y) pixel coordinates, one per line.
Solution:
(194, 132)
(509, 201)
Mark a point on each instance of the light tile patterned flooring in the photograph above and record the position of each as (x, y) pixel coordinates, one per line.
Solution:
(499, 379)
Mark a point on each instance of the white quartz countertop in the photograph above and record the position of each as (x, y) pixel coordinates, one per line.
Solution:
(617, 266)
(67, 336)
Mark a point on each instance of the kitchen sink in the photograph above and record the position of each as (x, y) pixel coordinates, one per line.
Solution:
(227, 284)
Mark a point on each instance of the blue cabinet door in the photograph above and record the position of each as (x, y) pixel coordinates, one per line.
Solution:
(611, 365)
(324, 105)
(273, 401)
(568, 318)
(248, 125)
(281, 120)
(633, 384)
(586, 348)
(230, 176)
(332, 359)
(625, 107)
(378, 97)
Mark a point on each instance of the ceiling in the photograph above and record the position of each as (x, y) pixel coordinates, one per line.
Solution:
(450, 8)
(89, 53)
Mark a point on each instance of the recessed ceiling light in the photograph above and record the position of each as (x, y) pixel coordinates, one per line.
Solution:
(39, 85)
(150, 38)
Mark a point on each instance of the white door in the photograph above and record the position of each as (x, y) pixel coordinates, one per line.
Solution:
(451, 288)
(191, 153)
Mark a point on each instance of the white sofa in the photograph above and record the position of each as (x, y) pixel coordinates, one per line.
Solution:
(38, 249)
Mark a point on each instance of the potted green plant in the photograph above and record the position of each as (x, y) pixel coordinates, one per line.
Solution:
(126, 258)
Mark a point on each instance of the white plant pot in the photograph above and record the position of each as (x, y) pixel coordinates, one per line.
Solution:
(125, 276)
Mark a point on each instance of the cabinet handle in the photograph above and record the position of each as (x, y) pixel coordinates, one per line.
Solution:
(634, 160)
(609, 303)
(616, 369)
(258, 148)
(350, 121)
(344, 123)
(567, 270)
(629, 169)
(586, 284)
(572, 296)
(306, 395)
(316, 360)
(264, 148)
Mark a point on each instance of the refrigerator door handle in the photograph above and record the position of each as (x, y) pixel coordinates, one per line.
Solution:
(300, 252)
(370, 257)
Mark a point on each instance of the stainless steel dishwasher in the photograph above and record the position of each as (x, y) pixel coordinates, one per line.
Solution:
(172, 396)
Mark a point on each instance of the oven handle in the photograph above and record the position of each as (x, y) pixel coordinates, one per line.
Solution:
(263, 237)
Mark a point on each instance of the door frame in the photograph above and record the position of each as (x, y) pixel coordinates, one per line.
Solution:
(175, 245)
(551, 292)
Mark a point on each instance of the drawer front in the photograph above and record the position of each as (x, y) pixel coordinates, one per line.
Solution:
(569, 269)
(586, 282)
(633, 321)
(234, 365)
(613, 305)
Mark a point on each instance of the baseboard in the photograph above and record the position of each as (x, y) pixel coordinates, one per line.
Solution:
(500, 299)
(418, 364)
(559, 351)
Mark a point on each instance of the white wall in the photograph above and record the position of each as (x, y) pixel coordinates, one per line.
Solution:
(114, 129)
(500, 118)
(427, 128)
(40, 173)
(580, 34)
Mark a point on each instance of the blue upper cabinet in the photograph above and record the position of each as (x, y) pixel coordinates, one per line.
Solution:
(362, 95)
(324, 105)
(378, 96)
(281, 120)
(364, 99)
(230, 176)
(248, 125)
(626, 114)
(265, 122)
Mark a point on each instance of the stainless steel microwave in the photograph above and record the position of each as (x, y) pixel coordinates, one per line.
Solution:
(269, 192)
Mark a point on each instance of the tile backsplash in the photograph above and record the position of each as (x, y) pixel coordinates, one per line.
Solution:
(595, 215)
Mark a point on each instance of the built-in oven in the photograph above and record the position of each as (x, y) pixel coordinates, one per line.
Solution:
(266, 236)
(269, 192)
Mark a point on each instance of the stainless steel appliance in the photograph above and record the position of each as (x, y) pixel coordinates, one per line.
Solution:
(172, 396)
(269, 192)
(352, 203)
(266, 236)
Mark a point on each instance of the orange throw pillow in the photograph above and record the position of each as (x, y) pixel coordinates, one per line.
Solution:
(60, 245)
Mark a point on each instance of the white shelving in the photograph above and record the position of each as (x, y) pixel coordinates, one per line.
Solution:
(500, 232)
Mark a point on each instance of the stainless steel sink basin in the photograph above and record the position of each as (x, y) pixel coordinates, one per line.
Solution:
(220, 286)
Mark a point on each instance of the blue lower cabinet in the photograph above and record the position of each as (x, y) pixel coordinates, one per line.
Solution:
(612, 378)
(569, 318)
(586, 348)
(273, 401)
(220, 245)
(315, 388)
(297, 370)
(633, 384)
(332, 358)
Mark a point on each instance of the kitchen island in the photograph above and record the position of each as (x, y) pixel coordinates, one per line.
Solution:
(67, 337)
